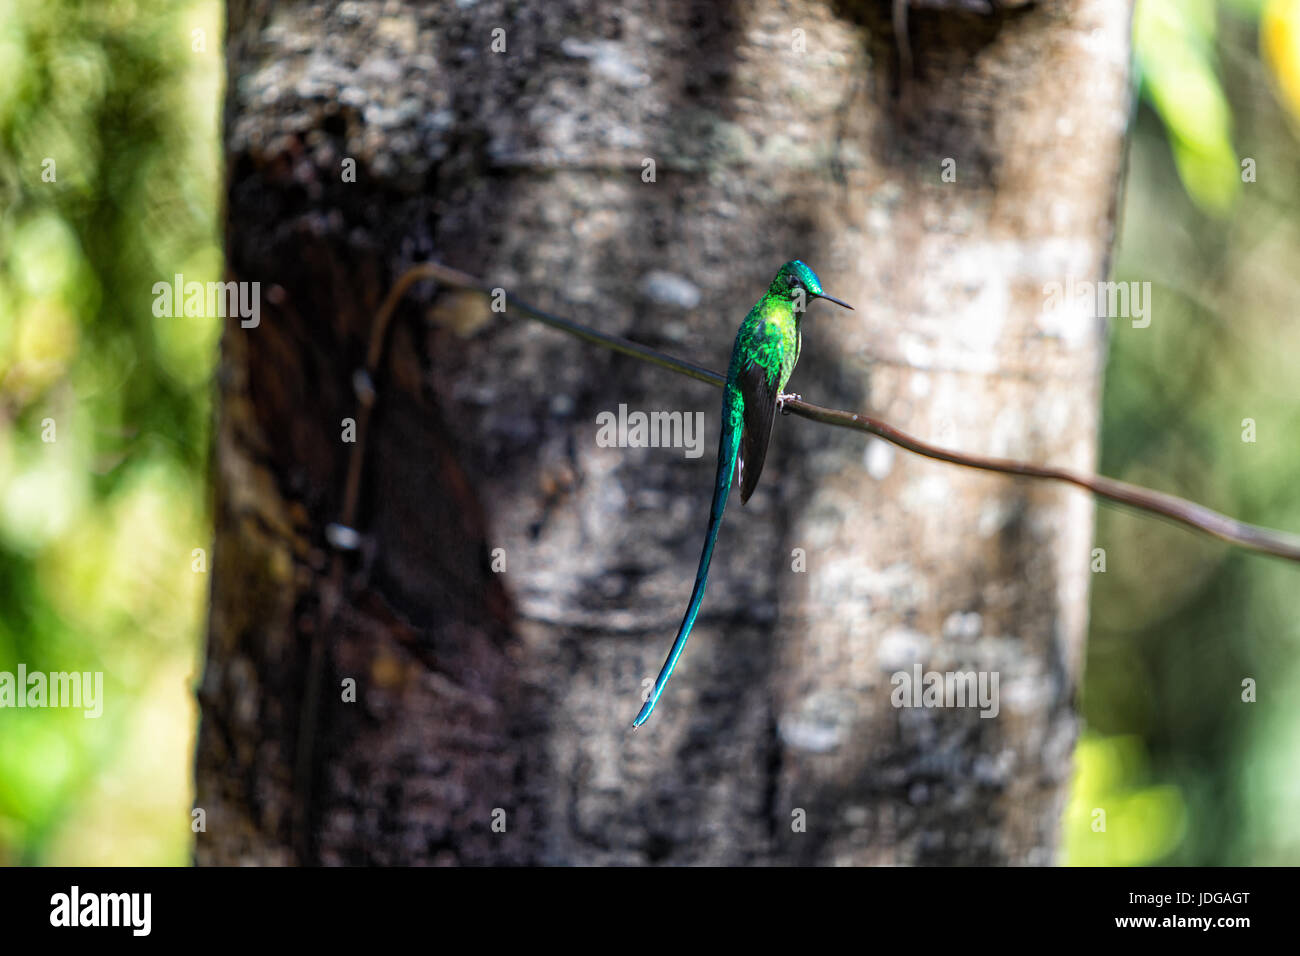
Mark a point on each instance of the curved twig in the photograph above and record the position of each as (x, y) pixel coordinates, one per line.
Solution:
(1278, 544)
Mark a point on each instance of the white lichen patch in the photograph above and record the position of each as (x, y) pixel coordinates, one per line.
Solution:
(900, 648)
(878, 458)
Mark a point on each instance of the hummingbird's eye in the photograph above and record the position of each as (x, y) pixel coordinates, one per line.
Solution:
(796, 284)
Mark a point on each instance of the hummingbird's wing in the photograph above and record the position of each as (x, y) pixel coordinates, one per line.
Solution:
(758, 390)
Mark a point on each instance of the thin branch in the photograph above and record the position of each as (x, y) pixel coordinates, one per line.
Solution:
(343, 536)
(1197, 517)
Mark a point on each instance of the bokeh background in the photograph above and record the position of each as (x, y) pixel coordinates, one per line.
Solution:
(99, 527)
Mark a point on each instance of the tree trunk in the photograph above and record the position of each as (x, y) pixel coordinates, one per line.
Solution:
(492, 711)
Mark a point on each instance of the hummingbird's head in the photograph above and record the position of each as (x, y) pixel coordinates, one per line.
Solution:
(798, 283)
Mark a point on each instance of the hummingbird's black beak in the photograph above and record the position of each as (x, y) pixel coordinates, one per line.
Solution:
(839, 302)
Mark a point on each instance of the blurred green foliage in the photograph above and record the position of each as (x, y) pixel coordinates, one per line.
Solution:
(1185, 770)
(98, 527)
(1174, 50)
(108, 184)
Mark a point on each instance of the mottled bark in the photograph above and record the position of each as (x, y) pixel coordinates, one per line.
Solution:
(481, 691)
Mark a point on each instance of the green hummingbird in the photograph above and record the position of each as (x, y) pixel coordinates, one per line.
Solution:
(765, 353)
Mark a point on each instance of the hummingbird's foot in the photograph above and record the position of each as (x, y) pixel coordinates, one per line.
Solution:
(783, 398)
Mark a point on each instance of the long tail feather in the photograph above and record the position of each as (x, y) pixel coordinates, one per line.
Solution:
(728, 447)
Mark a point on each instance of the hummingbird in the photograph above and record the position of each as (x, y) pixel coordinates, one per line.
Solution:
(764, 355)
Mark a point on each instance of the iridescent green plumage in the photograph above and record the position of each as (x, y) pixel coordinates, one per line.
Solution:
(764, 355)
